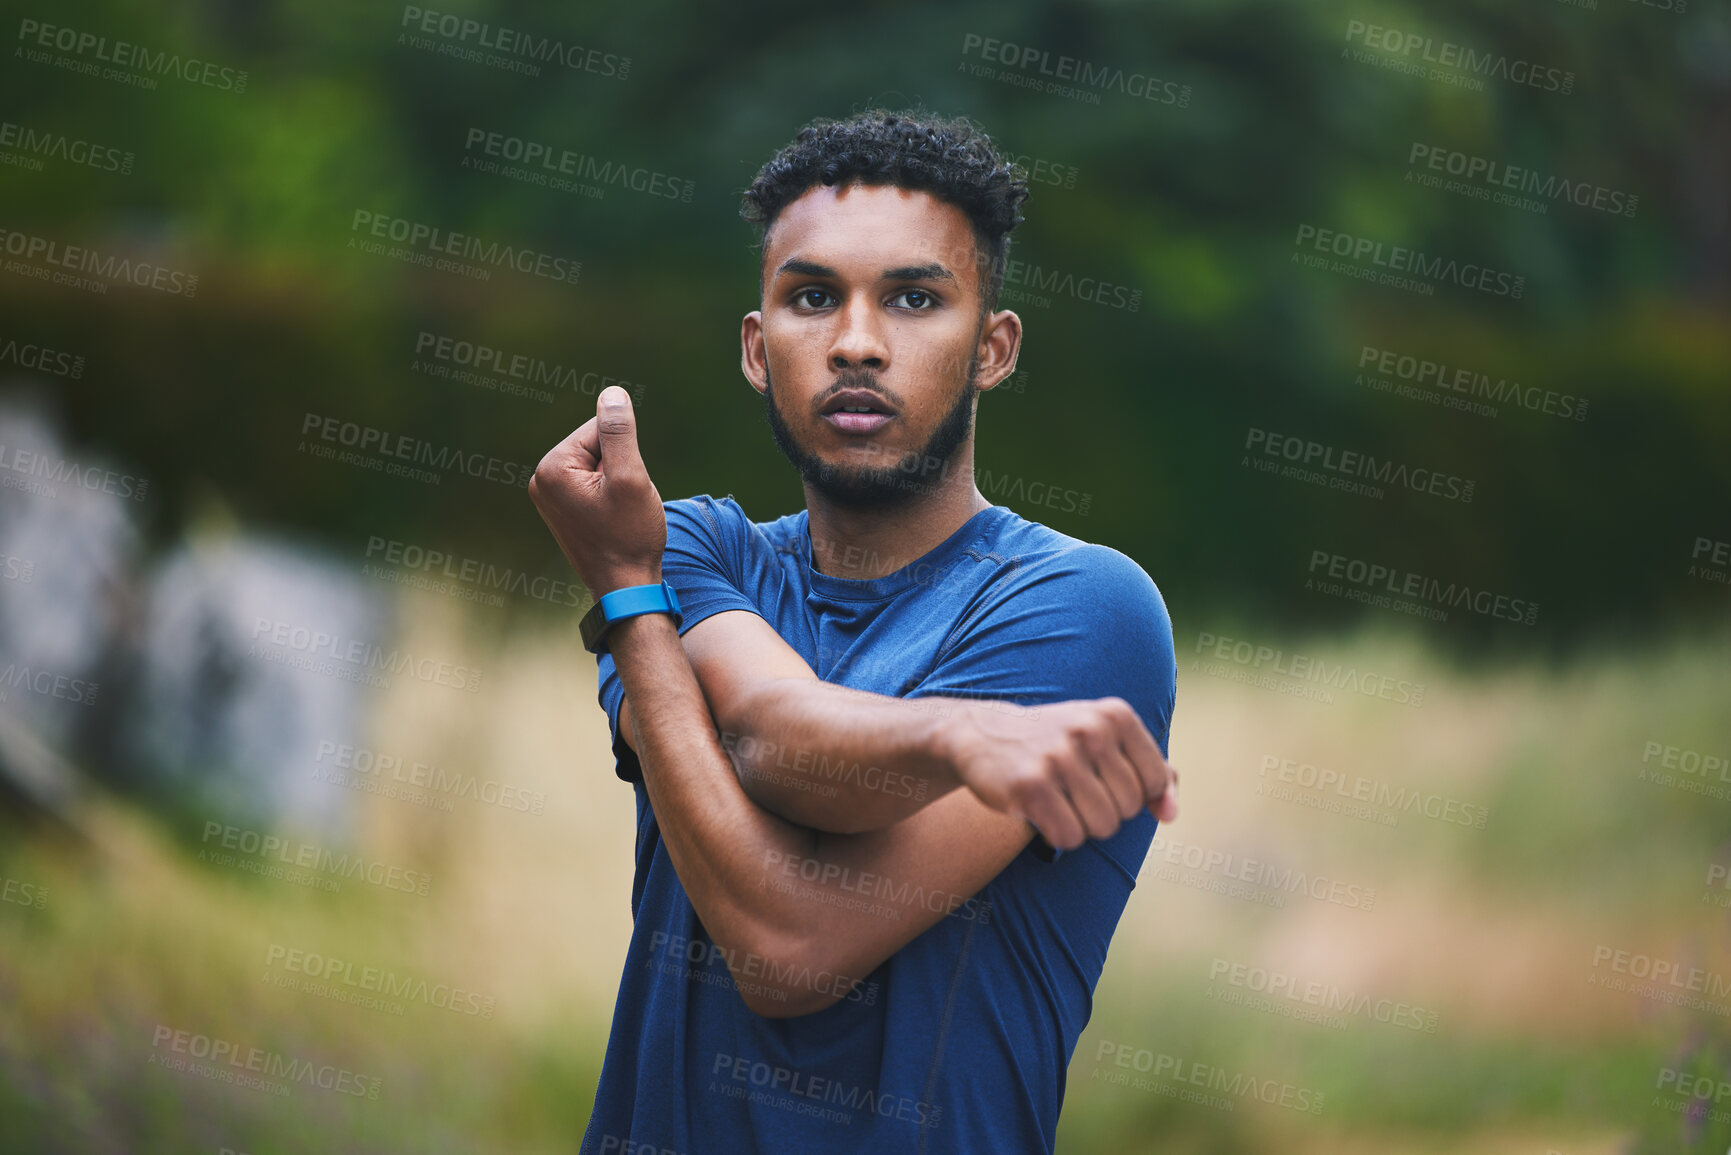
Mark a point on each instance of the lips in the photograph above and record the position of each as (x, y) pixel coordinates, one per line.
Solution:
(857, 411)
(857, 422)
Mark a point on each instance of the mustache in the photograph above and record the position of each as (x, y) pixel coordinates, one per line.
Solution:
(858, 379)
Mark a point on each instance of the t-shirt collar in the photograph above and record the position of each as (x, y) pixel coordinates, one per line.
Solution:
(923, 570)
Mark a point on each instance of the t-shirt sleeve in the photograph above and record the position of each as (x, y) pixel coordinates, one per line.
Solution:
(705, 563)
(1085, 623)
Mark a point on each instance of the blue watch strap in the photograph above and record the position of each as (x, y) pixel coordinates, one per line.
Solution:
(634, 600)
(627, 602)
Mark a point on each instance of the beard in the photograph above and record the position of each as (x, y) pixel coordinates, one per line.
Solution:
(876, 486)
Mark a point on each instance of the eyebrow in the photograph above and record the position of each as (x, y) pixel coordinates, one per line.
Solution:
(931, 272)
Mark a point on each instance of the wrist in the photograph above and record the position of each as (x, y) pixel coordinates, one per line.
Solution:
(629, 633)
(609, 580)
(941, 740)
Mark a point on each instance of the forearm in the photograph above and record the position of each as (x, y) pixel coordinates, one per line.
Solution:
(722, 845)
(838, 759)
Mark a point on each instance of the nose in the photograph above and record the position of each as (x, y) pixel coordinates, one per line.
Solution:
(859, 339)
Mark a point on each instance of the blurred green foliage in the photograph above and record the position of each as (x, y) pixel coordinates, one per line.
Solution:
(1146, 411)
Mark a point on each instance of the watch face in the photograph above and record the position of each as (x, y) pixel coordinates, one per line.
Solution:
(593, 625)
(635, 600)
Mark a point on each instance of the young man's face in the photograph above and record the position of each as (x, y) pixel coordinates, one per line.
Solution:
(872, 300)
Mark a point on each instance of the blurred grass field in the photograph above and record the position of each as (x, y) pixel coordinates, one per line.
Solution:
(1493, 931)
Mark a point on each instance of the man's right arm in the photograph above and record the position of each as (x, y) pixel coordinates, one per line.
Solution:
(846, 761)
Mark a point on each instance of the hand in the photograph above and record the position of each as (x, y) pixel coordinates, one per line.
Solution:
(1075, 770)
(595, 495)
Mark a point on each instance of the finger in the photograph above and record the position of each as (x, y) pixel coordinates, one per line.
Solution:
(1091, 801)
(1113, 767)
(585, 445)
(1053, 817)
(1166, 808)
(617, 423)
(1145, 756)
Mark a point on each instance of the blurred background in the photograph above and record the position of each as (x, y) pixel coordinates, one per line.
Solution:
(1394, 343)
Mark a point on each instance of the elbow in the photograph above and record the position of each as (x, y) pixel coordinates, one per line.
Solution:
(783, 978)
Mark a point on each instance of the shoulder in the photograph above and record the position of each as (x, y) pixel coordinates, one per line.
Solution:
(723, 520)
(1042, 563)
(724, 515)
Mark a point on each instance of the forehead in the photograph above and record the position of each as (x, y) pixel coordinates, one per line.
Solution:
(866, 228)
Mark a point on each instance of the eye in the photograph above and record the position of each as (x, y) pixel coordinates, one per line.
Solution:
(918, 300)
(812, 298)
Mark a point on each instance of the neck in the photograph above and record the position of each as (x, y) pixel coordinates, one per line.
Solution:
(860, 543)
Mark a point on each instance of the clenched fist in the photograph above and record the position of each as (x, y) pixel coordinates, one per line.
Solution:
(1076, 770)
(595, 495)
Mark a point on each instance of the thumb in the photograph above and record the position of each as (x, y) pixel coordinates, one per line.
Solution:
(617, 423)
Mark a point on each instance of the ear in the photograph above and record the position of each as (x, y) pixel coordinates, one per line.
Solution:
(1000, 344)
(752, 356)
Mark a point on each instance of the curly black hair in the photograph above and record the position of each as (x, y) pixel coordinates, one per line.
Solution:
(949, 157)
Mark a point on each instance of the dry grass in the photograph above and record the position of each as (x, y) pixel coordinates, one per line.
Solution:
(1492, 929)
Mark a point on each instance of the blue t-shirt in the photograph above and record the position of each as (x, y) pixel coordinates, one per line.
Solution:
(960, 1041)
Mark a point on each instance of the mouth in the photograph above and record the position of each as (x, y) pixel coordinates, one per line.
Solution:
(857, 411)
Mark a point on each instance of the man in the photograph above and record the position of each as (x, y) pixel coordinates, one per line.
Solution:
(835, 948)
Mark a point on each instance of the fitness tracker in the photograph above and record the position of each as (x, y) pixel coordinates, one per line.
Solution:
(627, 602)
